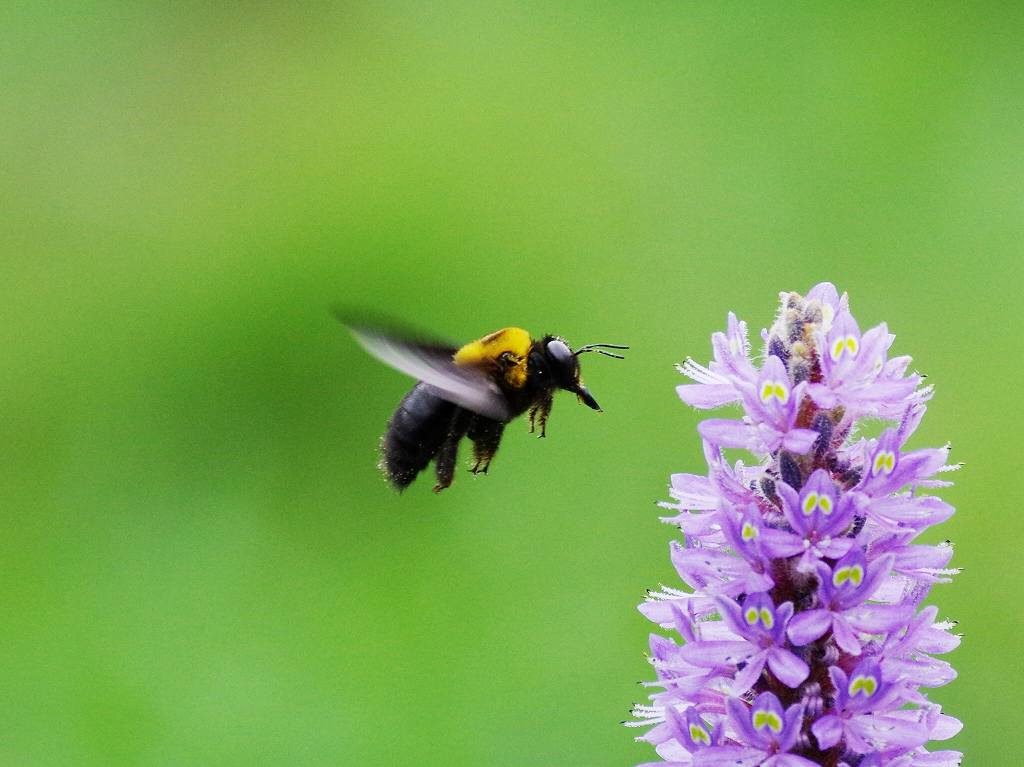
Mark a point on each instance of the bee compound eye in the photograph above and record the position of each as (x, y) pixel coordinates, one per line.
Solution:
(559, 350)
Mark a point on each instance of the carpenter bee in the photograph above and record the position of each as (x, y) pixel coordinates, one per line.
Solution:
(472, 391)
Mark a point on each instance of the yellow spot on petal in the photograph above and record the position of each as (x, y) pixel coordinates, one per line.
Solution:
(885, 462)
(863, 684)
(774, 390)
(844, 345)
(699, 735)
(852, 573)
(836, 352)
(810, 502)
(768, 719)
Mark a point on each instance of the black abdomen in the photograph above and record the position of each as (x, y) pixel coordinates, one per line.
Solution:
(414, 435)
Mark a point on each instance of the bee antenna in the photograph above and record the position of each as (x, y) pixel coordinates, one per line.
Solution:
(600, 349)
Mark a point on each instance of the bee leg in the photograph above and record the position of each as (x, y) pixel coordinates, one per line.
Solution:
(486, 436)
(542, 410)
(447, 455)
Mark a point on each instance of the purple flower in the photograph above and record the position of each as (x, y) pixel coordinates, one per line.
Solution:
(716, 383)
(772, 405)
(855, 371)
(766, 732)
(888, 470)
(817, 517)
(760, 630)
(843, 607)
(803, 638)
(853, 716)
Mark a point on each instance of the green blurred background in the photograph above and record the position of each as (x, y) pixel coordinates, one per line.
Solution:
(200, 563)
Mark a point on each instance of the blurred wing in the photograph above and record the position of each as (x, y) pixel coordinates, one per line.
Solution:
(432, 364)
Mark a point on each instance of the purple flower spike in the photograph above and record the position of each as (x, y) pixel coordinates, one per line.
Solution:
(802, 639)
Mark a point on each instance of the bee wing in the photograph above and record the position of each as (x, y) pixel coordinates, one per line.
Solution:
(432, 364)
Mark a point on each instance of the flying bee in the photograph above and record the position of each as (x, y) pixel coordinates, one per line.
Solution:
(472, 391)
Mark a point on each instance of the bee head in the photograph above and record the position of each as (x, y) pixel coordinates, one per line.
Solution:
(563, 365)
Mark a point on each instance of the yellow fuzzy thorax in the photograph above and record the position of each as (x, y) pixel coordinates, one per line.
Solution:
(487, 351)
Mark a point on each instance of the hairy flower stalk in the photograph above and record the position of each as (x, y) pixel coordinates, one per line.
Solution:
(804, 637)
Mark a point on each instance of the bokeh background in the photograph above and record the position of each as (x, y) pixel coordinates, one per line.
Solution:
(199, 563)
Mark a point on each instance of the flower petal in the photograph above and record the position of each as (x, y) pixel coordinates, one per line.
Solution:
(886, 731)
(749, 674)
(828, 730)
(879, 619)
(789, 669)
(728, 756)
(945, 727)
(694, 492)
(707, 396)
(823, 396)
(725, 432)
(807, 626)
(712, 654)
(799, 441)
(789, 760)
(910, 511)
(845, 638)
(780, 544)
